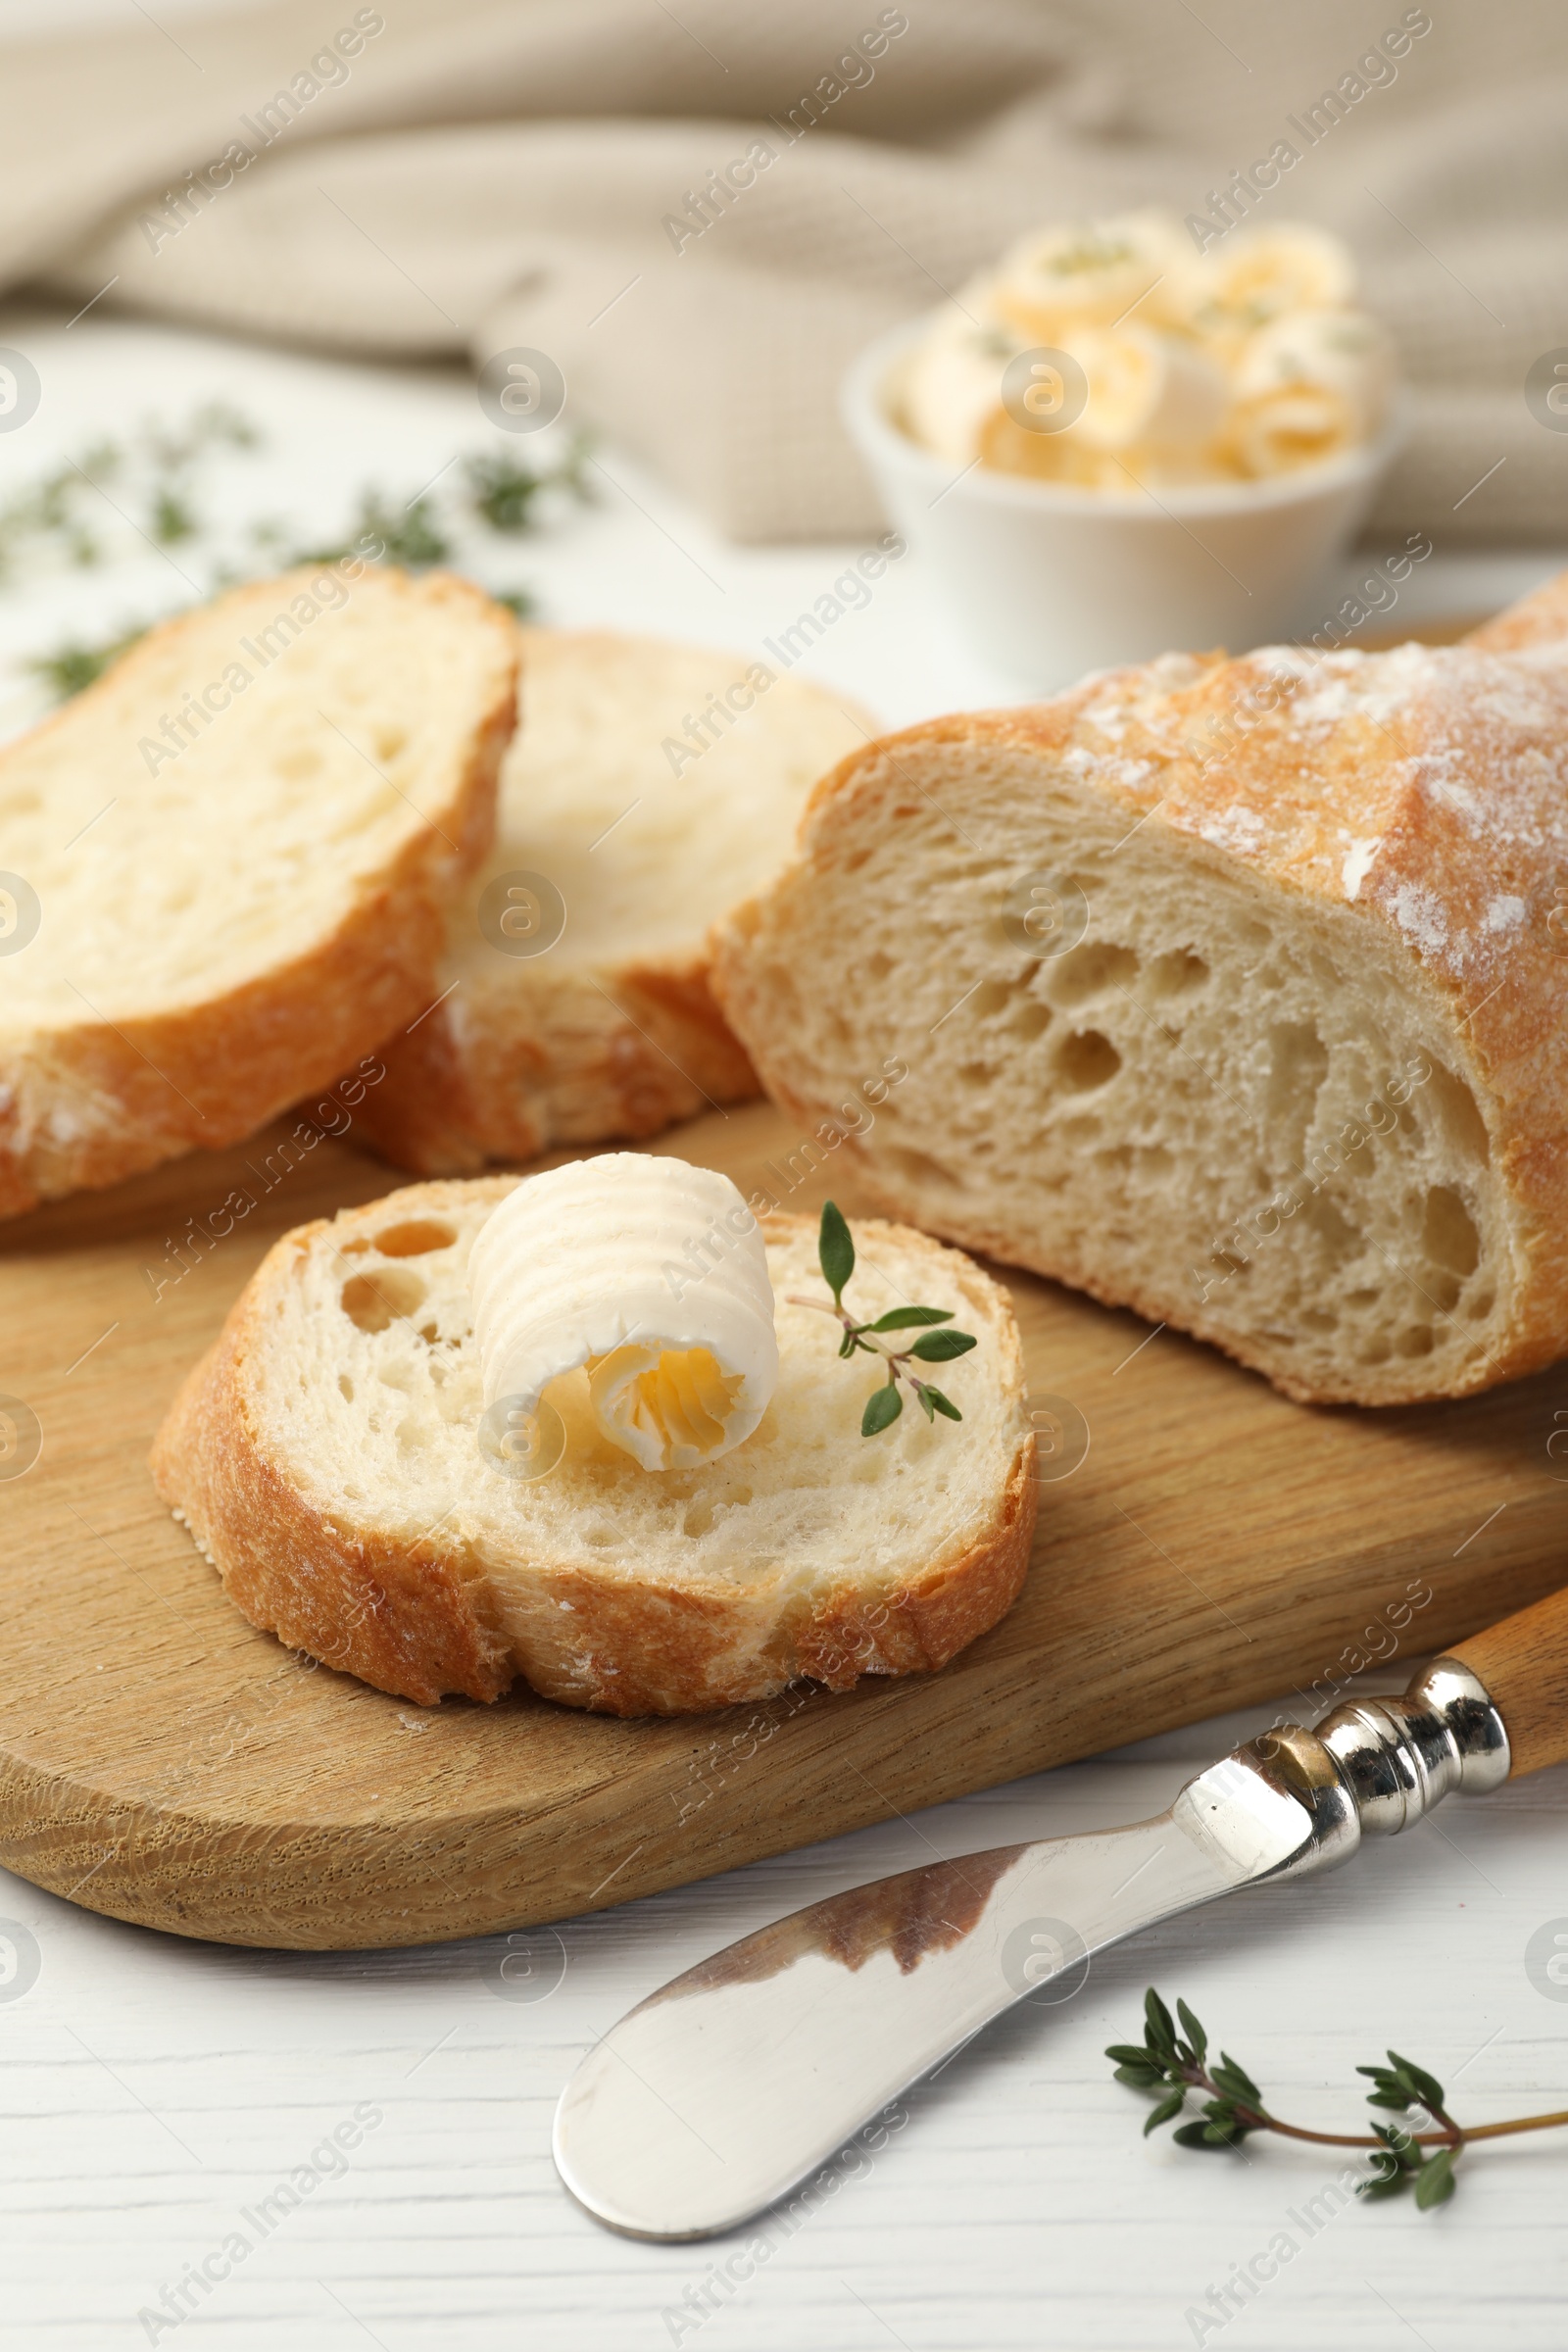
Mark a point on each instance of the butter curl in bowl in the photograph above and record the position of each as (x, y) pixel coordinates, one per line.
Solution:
(1114, 444)
(1233, 365)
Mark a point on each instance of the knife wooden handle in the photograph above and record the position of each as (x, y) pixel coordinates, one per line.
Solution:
(1523, 1662)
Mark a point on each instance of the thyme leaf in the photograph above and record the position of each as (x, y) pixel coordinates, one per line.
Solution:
(1234, 2107)
(835, 1253)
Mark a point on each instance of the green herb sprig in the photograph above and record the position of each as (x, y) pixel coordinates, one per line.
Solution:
(835, 1252)
(157, 474)
(1175, 2064)
(502, 493)
(57, 517)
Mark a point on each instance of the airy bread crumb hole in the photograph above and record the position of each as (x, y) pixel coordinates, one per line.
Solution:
(1297, 1064)
(1461, 1120)
(1174, 974)
(415, 1239)
(372, 1302)
(1451, 1236)
(1093, 968)
(920, 1167)
(1085, 1059)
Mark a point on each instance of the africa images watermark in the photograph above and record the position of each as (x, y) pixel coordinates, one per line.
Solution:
(330, 1114)
(328, 2160)
(1245, 2283)
(849, 593)
(328, 592)
(1229, 205)
(1374, 1645)
(717, 2289)
(851, 72)
(327, 70)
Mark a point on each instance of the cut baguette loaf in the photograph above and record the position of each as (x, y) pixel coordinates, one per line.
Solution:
(612, 1031)
(237, 849)
(1231, 991)
(326, 1457)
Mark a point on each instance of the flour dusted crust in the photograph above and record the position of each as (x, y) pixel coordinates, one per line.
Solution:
(1390, 832)
(84, 1099)
(612, 1032)
(393, 1553)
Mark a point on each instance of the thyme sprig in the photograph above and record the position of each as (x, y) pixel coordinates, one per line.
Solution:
(157, 479)
(59, 518)
(502, 493)
(835, 1252)
(1176, 2065)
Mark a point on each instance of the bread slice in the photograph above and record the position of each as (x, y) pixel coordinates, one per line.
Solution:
(326, 1457)
(612, 1031)
(229, 864)
(1231, 991)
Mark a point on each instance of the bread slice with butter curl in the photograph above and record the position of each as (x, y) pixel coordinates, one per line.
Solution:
(326, 1457)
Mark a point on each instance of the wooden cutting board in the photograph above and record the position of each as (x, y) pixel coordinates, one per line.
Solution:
(162, 1761)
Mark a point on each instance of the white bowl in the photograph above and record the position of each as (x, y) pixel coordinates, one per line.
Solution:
(1045, 580)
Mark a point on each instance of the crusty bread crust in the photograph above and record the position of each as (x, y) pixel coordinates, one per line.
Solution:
(1535, 620)
(422, 1621)
(205, 1075)
(1454, 787)
(555, 1052)
(617, 1060)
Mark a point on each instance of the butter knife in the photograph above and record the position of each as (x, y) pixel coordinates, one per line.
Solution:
(723, 2092)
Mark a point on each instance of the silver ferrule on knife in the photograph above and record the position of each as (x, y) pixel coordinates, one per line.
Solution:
(1399, 1757)
(728, 2087)
(1375, 1764)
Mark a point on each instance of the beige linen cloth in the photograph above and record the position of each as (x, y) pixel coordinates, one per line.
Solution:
(481, 175)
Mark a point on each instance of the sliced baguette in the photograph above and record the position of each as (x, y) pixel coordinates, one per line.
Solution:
(224, 922)
(1298, 1087)
(612, 1031)
(325, 1454)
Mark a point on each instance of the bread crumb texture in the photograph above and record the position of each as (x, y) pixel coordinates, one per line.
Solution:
(1230, 991)
(649, 804)
(326, 1455)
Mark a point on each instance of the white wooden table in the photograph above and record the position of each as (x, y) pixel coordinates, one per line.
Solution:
(221, 2146)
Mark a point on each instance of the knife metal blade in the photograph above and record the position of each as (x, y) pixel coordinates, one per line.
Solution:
(726, 2089)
